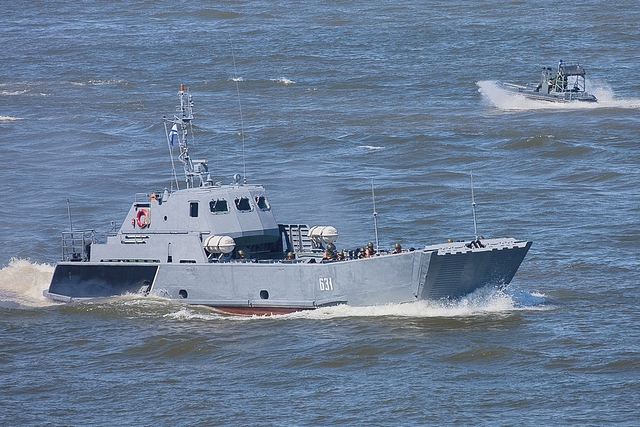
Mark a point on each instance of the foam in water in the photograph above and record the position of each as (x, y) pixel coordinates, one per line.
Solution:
(505, 100)
(22, 283)
(480, 303)
(285, 81)
(13, 92)
(187, 313)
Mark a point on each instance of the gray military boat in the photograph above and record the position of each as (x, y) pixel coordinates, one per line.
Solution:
(219, 245)
(566, 84)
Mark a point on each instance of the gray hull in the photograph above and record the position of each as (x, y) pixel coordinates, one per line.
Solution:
(530, 92)
(269, 287)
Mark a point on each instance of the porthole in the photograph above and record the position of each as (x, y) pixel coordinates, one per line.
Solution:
(182, 294)
(264, 294)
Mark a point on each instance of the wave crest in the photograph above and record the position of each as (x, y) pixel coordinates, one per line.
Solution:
(22, 283)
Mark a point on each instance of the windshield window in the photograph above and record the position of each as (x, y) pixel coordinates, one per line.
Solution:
(243, 205)
(262, 203)
(218, 206)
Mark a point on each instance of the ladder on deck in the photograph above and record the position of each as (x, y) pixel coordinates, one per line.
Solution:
(297, 237)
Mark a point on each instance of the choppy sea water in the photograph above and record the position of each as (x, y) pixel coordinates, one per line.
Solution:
(333, 95)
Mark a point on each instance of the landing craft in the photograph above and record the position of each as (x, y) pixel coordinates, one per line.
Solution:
(566, 84)
(219, 245)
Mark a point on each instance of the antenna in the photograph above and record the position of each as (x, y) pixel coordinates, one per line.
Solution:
(69, 214)
(179, 130)
(375, 215)
(235, 79)
(473, 208)
(186, 112)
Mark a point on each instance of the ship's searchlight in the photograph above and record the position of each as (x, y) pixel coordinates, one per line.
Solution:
(323, 234)
(219, 244)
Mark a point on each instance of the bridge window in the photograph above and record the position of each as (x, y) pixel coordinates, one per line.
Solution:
(243, 205)
(193, 209)
(219, 206)
(262, 203)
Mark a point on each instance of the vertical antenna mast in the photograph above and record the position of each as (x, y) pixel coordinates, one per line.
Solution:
(375, 215)
(69, 214)
(179, 130)
(473, 208)
(235, 79)
(186, 115)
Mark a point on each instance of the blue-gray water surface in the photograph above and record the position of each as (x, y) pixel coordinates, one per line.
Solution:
(329, 96)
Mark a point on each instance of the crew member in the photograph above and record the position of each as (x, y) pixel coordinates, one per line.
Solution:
(397, 249)
(369, 251)
(329, 254)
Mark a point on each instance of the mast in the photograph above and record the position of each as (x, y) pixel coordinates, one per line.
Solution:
(180, 125)
(375, 216)
(236, 79)
(69, 214)
(473, 208)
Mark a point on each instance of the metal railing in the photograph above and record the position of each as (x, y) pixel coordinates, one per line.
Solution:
(76, 245)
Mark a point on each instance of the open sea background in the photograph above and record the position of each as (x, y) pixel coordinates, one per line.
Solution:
(333, 94)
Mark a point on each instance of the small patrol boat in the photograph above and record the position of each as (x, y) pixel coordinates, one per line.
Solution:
(219, 245)
(565, 84)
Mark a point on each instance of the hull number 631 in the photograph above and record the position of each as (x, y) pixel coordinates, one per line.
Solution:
(326, 284)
